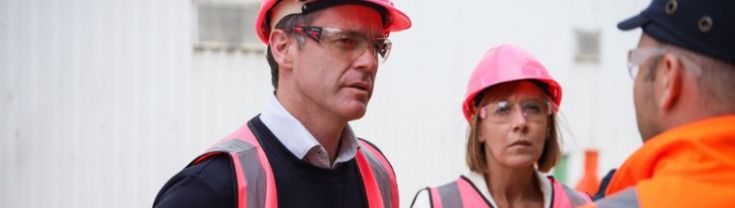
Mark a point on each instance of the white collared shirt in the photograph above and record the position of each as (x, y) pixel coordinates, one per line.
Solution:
(478, 180)
(300, 142)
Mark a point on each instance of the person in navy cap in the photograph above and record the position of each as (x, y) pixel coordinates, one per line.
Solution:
(684, 93)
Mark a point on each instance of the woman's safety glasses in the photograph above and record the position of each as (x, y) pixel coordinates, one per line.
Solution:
(503, 111)
(349, 43)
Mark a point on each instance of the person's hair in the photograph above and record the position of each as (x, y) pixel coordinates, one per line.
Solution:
(716, 78)
(475, 155)
(287, 24)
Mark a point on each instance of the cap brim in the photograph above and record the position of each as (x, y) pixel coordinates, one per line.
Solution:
(633, 22)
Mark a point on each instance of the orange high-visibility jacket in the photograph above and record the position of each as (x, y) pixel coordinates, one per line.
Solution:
(689, 166)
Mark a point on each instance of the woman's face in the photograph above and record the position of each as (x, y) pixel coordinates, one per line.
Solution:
(514, 128)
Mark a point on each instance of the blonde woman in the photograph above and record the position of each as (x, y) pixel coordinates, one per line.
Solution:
(510, 105)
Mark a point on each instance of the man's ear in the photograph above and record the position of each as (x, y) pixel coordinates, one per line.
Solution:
(280, 45)
(669, 79)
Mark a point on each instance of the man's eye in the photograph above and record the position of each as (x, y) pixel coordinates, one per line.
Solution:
(346, 42)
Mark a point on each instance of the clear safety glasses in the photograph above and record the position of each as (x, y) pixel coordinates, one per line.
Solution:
(347, 43)
(637, 56)
(503, 111)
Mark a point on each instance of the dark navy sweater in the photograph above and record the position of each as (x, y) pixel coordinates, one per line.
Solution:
(299, 184)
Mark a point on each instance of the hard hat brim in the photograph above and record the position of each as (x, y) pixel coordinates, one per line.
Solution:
(398, 20)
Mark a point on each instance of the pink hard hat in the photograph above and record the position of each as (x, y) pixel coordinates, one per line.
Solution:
(272, 11)
(502, 64)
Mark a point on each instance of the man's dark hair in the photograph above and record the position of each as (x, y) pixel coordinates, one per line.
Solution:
(287, 24)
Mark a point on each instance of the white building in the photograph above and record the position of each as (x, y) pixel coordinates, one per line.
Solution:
(101, 102)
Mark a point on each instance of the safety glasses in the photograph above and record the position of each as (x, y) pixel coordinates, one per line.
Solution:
(637, 56)
(503, 111)
(347, 43)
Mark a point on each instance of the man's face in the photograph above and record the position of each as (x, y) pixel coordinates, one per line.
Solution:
(330, 80)
(643, 94)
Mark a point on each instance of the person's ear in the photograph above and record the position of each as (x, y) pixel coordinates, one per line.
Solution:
(280, 44)
(669, 79)
(475, 125)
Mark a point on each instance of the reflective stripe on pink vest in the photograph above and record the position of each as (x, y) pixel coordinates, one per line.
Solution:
(461, 193)
(256, 185)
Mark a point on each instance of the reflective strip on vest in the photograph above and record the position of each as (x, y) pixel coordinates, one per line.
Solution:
(460, 193)
(382, 171)
(256, 184)
(626, 198)
(447, 195)
(435, 198)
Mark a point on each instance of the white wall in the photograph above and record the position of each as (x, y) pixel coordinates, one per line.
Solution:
(102, 101)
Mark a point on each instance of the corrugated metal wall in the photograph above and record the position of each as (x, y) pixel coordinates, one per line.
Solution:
(102, 101)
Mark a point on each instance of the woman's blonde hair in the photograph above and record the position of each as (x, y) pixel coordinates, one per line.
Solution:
(475, 155)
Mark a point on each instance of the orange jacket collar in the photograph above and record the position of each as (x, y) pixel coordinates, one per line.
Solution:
(692, 160)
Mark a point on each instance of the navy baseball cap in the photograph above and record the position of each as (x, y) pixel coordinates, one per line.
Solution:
(703, 26)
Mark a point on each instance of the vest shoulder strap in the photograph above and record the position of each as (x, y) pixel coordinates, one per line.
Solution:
(378, 177)
(458, 193)
(563, 196)
(255, 182)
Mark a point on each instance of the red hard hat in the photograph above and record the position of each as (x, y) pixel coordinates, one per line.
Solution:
(396, 21)
(503, 64)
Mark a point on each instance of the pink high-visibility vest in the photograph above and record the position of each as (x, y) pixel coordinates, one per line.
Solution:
(461, 193)
(256, 185)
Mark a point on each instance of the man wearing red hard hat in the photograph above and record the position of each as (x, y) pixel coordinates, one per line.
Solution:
(300, 151)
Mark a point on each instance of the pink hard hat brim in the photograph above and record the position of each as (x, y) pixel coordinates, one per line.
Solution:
(503, 64)
(554, 91)
(399, 20)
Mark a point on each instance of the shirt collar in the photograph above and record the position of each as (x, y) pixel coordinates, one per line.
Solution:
(300, 142)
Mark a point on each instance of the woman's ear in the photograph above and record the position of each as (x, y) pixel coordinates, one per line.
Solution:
(475, 125)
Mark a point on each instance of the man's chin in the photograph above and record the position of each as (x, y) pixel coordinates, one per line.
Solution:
(354, 110)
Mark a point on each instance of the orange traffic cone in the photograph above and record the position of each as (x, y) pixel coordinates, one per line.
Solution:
(590, 182)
